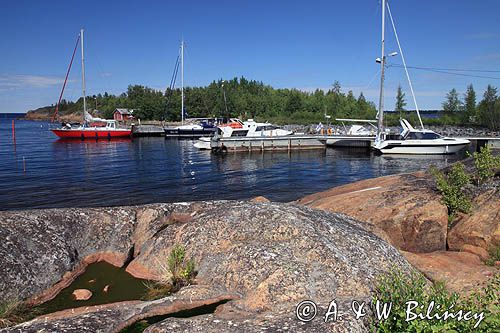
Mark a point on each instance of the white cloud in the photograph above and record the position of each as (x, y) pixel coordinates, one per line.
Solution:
(20, 81)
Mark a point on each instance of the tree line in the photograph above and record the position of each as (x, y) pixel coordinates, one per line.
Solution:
(466, 110)
(245, 98)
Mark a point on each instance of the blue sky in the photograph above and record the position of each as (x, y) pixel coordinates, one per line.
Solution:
(287, 44)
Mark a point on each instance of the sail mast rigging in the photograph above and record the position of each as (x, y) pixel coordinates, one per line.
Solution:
(54, 116)
(83, 77)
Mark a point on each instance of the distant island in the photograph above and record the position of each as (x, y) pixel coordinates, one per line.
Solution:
(253, 99)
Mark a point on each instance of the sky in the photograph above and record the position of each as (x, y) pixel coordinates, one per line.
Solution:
(284, 43)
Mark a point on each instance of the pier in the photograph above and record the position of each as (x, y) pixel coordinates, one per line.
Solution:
(289, 142)
(493, 142)
(303, 142)
(148, 130)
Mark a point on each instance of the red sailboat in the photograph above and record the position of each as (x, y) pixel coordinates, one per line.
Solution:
(89, 129)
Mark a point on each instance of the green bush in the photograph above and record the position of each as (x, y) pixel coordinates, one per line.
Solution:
(181, 272)
(485, 164)
(451, 188)
(398, 287)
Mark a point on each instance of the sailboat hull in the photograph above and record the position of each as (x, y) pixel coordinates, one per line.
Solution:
(422, 147)
(92, 133)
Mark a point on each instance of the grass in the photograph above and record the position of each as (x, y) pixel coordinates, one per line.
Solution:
(178, 272)
(13, 312)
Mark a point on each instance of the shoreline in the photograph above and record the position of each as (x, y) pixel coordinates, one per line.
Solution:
(140, 225)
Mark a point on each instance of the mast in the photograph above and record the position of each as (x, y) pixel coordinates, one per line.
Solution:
(83, 77)
(182, 81)
(380, 125)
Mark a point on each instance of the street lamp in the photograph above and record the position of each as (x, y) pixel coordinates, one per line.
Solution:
(378, 60)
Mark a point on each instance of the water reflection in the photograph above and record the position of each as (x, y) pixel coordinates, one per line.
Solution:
(65, 173)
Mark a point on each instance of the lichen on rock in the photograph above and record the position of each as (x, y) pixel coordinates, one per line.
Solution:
(267, 256)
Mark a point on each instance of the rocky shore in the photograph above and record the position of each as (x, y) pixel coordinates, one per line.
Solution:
(45, 114)
(407, 211)
(255, 260)
(262, 258)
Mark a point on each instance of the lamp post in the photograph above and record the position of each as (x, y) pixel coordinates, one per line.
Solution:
(382, 62)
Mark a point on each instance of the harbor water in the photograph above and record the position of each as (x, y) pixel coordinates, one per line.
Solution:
(39, 170)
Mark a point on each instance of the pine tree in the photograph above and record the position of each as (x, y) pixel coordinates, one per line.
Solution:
(470, 104)
(452, 103)
(489, 109)
(400, 102)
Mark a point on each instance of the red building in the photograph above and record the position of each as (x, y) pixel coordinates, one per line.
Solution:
(123, 114)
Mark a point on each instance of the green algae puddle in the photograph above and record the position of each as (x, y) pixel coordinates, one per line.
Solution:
(122, 287)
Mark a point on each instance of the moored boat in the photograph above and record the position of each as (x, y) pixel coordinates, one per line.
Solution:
(421, 142)
(249, 128)
(86, 132)
(110, 127)
(411, 141)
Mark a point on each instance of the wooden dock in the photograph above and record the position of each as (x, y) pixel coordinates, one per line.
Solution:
(287, 143)
(303, 142)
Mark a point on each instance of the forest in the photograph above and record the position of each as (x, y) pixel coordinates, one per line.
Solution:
(245, 98)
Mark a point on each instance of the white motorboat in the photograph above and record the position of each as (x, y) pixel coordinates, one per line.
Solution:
(249, 128)
(420, 141)
(368, 129)
(410, 141)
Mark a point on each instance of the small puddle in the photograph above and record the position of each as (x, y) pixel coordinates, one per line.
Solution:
(141, 325)
(121, 287)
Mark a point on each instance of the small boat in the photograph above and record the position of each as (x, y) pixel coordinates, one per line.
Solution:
(194, 130)
(420, 141)
(107, 128)
(198, 127)
(249, 128)
(202, 127)
(410, 141)
(357, 129)
(102, 129)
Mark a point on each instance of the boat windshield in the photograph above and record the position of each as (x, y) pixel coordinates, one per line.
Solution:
(266, 128)
(422, 136)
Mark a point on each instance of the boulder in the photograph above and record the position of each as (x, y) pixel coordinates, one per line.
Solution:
(260, 258)
(478, 251)
(461, 271)
(403, 209)
(274, 254)
(81, 294)
(282, 321)
(480, 228)
(48, 248)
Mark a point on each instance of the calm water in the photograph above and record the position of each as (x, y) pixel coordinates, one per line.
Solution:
(146, 170)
